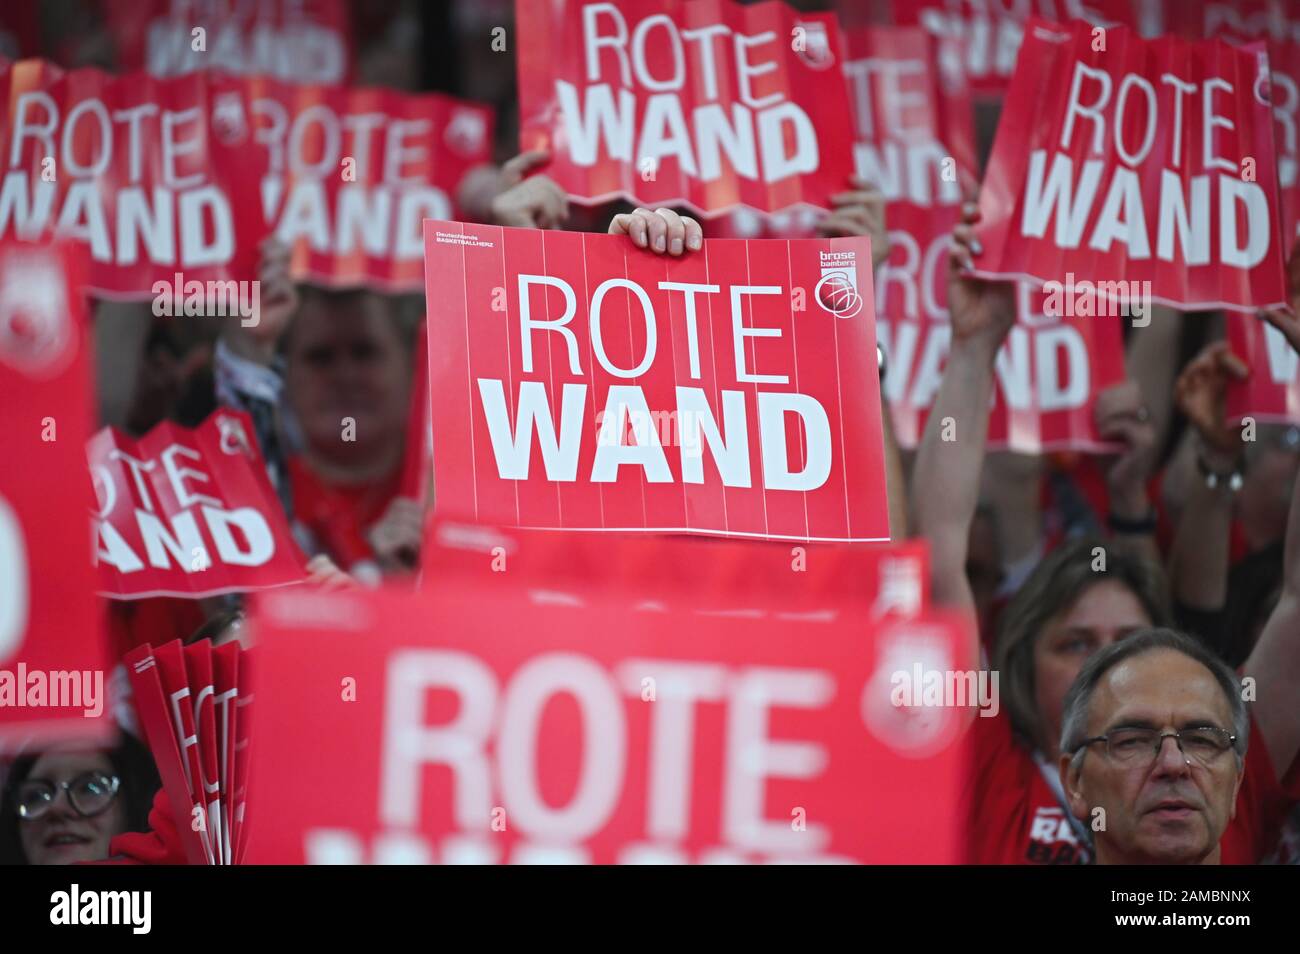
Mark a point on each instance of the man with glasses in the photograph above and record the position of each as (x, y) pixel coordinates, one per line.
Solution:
(1153, 745)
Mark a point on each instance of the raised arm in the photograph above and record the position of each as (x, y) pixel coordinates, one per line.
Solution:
(1198, 562)
(1275, 661)
(946, 475)
(1123, 417)
(1151, 358)
(895, 481)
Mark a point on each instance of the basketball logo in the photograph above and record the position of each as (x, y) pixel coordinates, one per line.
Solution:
(1263, 83)
(837, 294)
(913, 729)
(36, 333)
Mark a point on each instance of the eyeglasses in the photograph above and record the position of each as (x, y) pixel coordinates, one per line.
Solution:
(1132, 747)
(89, 794)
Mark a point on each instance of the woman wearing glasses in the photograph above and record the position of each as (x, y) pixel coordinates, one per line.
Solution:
(65, 805)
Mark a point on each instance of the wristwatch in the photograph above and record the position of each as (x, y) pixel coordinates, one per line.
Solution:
(1232, 479)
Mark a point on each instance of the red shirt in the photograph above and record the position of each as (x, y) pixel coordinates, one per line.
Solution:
(1016, 819)
(161, 845)
(339, 516)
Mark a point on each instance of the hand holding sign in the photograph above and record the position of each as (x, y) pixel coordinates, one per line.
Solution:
(1289, 323)
(277, 301)
(586, 383)
(279, 298)
(661, 230)
(982, 312)
(1121, 416)
(532, 203)
(860, 211)
(1201, 392)
(396, 537)
(324, 573)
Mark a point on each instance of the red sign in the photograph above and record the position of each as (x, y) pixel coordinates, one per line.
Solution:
(991, 31)
(50, 623)
(1147, 166)
(582, 383)
(741, 223)
(1284, 66)
(1272, 392)
(155, 177)
(304, 41)
(911, 113)
(1049, 372)
(915, 138)
(1284, 61)
(351, 173)
(721, 577)
(188, 513)
(916, 142)
(708, 104)
(196, 718)
(1278, 19)
(596, 732)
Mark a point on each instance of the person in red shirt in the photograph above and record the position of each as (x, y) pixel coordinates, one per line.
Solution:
(67, 803)
(1078, 601)
(1154, 802)
(347, 384)
(326, 377)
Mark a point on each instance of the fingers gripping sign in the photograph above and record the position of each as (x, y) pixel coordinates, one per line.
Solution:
(660, 231)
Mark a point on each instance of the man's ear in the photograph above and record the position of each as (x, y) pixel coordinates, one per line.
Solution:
(1070, 782)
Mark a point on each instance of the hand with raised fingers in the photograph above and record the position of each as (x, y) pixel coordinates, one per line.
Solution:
(534, 202)
(1200, 393)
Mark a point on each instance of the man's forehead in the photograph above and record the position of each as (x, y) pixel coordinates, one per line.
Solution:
(1162, 686)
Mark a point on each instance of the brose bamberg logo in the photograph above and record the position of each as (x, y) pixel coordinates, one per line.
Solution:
(837, 290)
(102, 907)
